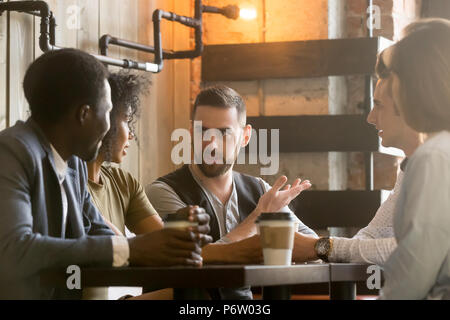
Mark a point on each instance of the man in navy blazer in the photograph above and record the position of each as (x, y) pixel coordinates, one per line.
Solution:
(46, 217)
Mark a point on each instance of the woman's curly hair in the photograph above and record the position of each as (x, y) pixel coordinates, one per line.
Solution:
(126, 90)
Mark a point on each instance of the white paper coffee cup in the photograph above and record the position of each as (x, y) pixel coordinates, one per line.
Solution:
(276, 231)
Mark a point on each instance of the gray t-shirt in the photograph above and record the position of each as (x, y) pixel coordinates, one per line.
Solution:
(165, 200)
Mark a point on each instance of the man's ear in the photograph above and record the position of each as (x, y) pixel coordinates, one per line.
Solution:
(83, 113)
(247, 134)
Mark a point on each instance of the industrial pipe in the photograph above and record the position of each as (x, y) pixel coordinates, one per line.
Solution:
(47, 33)
(231, 12)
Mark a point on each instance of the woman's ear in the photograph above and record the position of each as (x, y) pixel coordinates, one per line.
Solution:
(247, 134)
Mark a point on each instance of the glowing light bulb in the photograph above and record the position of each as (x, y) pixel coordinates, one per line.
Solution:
(248, 13)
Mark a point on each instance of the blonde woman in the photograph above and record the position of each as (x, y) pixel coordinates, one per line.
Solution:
(419, 71)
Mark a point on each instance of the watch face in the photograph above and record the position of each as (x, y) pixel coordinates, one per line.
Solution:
(323, 247)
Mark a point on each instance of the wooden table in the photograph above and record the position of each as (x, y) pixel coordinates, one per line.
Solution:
(186, 281)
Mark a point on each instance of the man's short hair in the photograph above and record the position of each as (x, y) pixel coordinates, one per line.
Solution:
(222, 97)
(61, 79)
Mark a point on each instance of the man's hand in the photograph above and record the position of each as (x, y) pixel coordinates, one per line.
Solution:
(278, 197)
(166, 247)
(197, 214)
(172, 246)
(272, 201)
(246, 251)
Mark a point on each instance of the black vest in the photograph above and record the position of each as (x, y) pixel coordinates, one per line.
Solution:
(248, 190)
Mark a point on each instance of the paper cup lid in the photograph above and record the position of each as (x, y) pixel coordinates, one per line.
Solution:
(272, 216)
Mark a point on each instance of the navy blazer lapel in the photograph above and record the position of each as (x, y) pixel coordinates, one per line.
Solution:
(55, 216)
(74, 218)
(54, 197)
(74, 222)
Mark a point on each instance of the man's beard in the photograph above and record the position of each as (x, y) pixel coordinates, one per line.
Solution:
(214, 170)
(217, 169)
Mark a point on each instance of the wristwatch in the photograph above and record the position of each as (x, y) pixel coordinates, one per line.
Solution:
(323, 248)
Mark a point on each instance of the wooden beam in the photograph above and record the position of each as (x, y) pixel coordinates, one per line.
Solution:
(321, 133)
(294, 59)
(349, 208)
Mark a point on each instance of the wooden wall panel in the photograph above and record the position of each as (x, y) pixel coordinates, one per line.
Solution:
(128, 27)
(157, 121)
(3, 79)
(77, 25)
(109, 24)
(88, 31)
(80, 23)
(165, 96)
(181, 69)
(67, 16)
(21, 55)
(148, 155)
(68, 22)
(119, 19)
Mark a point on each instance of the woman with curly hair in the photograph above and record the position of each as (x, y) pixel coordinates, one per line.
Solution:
(116, 193)
(118, 196)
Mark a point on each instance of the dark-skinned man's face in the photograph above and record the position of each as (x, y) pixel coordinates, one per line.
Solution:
(95, 126)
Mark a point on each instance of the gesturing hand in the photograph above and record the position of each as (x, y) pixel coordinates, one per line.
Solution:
(165, 247)
(278, 197)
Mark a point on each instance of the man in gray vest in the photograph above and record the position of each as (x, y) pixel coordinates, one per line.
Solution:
(233, 200)
(46, 218)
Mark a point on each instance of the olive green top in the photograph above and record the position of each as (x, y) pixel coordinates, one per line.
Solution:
(120, 198)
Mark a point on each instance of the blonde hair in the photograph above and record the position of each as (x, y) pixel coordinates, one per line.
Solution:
(421, 63)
